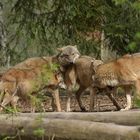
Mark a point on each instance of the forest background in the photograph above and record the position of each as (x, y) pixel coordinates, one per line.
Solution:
(31, 28)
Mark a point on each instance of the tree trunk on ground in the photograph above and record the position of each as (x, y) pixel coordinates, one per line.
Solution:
(65, 129)
(131, 118)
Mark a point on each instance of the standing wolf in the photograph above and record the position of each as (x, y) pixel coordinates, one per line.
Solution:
(19, 80)
(84, 74)
(26, 81)
(124, 72)
(81, 72)
(77, 72)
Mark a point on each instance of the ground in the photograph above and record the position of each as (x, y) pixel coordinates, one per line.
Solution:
(103, 103)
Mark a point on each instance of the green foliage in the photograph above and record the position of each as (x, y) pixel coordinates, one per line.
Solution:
(36, 102)
(121, 25)
(119, 2)
(9, 138)
(137, 102)
(44, 78)
(132, 46)
(10, 110)
(136, 5)
(39, 132)
(47, 72)
(38, 28)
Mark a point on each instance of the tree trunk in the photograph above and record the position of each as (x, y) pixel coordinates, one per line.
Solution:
(102, 45)
(64, 129)
(131, 118)
(3, 40)
(106, 52)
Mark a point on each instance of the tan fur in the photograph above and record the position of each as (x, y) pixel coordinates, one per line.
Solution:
(82, 74)
(35, 62)
(124, 72)
(81, 71)
(78, 71)
(25, 77)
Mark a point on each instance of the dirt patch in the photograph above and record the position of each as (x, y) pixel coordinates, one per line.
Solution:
(103, 103)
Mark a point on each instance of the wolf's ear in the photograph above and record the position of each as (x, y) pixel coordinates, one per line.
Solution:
(75, 46)
(59, 49)
(92, 65)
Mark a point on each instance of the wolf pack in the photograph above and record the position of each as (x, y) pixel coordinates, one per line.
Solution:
(67, 69)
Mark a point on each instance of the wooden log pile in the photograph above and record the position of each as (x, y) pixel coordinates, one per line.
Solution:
(71, 126)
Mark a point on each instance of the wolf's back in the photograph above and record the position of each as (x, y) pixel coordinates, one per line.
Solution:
(33, 62)
(123, 70)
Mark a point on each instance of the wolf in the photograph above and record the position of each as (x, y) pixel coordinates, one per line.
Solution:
(124, 72)
(22, 82)
(68, 54)
(83, 75)
(80, 72)
(19, 78)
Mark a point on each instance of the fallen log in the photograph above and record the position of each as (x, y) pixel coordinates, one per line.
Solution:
(65, 129)
(130, 118)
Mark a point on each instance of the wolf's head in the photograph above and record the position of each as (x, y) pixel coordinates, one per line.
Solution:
(68, 54)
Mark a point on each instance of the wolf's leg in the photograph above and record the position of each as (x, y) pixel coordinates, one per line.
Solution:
(128, 98)
(14, 102)
(111, 97)
(129, 103)
(6, 100)
(78, 97)
(57, 99)
(69, 93)
(33, 108)
(70, 80)
(53, 104)
(93, 98)
(1, 96)
(33, 103)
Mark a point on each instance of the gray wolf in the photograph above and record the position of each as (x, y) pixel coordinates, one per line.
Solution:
(78, 71)
(124, 72)
(68, 54)
(81, 72)
(28, 77)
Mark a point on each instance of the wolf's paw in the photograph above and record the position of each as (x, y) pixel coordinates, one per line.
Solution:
(1, 109)
(68, 110)
(83, 109)
(125, 109)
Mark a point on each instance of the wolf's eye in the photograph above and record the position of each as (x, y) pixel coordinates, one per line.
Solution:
(62, 55)
(65, 55)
